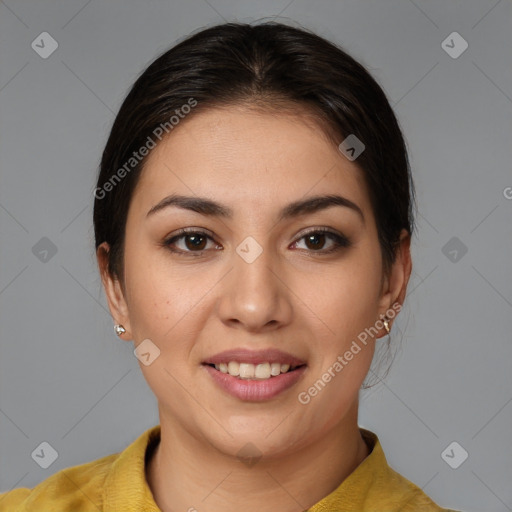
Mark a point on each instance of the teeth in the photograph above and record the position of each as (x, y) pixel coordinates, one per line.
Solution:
(275, 369)
(246, 371)
(262, 371)
(234, 368)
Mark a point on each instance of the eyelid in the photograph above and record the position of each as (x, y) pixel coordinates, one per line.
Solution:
(319, 229)
(192, 230)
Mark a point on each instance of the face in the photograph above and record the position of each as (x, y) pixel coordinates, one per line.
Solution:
(253, 278)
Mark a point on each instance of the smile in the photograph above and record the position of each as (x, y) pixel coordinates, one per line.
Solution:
(254, 375)
(262, 371)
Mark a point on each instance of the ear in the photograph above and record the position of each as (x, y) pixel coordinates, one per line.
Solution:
(113, 291)
(394, 285)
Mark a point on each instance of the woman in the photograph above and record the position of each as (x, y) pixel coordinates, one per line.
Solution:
(253, 217)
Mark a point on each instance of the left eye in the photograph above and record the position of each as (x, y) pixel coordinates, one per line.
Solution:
(315, 238)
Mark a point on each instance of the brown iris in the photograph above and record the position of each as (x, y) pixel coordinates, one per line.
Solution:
(198, 241)
(315, 237)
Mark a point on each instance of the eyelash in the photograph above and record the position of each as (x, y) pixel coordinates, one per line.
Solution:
(340, 241)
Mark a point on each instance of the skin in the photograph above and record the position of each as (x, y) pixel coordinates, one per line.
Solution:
(291, 297)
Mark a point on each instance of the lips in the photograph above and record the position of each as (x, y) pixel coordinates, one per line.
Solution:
(261, 386)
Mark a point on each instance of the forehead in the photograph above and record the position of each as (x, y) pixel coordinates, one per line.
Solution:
(250, 158)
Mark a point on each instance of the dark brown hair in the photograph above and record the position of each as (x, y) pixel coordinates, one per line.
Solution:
(269, 66)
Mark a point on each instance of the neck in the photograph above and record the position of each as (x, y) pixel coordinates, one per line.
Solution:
(185, 475)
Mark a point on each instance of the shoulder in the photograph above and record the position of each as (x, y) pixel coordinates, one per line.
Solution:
(114, 482)
(375, 485)
(405, 496)
(75, 488)
(396, 491)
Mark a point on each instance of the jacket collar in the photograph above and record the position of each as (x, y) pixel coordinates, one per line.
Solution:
(126, 487)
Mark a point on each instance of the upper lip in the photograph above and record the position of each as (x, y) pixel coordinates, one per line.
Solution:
(241, 355)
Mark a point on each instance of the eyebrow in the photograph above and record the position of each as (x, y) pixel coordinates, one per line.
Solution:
(206, 206)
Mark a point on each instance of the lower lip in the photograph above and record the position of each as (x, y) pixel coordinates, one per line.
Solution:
(255, 390)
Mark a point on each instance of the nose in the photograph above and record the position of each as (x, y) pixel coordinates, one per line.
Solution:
(254, 295)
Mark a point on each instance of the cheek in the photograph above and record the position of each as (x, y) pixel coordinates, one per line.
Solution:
(347, 297)
(345, 300)
(157, 298)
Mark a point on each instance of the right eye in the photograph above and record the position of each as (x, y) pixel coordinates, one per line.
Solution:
(193, 241)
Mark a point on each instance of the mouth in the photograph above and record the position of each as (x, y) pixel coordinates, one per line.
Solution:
(254, 365)
(255, 375)
(250, 371)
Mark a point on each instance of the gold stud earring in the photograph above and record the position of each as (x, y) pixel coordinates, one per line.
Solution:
(386, 325)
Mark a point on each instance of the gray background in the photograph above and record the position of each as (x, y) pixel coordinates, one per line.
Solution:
(64, 376)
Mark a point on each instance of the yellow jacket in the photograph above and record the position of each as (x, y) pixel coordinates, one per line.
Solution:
(117, 483)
